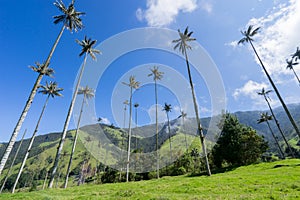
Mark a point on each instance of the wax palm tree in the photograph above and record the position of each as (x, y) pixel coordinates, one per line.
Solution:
(167, 109)
(183, 46)
(183, 116)
(133, 84)
(264, 117)
(71, 20)
(51, 90)
(87, 93)
(248, 37)
(265, 94)
(13, 162)
(290, 66)
(157, 75)
(87, 49)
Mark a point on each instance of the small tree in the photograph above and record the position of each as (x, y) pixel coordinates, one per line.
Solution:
(238, 144)
(167, 109)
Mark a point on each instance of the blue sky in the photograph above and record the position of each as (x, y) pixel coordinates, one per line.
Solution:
(27, 33)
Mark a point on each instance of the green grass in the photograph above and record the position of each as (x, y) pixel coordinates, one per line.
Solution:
(277, 180)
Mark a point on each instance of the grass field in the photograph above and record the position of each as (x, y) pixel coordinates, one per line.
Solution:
(276, 180)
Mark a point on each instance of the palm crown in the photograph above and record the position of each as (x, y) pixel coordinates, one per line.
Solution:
(132, 83)
(157, 75)
(51, 89)
(182, 42)
(248, 34)
(167, 107)
(87, 47)
(296, 55)
(86, 91)
(264, 92)
(40, 68)
(264, 117)
(290, 63)
(70, 17)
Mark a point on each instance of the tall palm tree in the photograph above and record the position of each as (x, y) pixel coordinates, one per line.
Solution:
(13, 162)
(71, 20)
(157, 75)
(290, 65)
(87, 49)
(87, 94)
(167, 109)
(133, 84)
(264, 117)
(183, 46)
(265, 94)
(51, 90)
(183, 116)
(248, 34)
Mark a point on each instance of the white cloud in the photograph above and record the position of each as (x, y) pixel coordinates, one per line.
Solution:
(206, 6)
(279, 37)
(163, 12)
(250, 89)
(105, 121)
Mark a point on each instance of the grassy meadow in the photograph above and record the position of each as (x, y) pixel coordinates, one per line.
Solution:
(276, 180)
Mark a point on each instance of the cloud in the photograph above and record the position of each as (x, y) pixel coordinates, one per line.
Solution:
(105, 121)
(163, 12)
(206, 6)
(279, 37)
(250, 89)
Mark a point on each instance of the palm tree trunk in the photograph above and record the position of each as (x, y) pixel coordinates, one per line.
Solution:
(186, 145)
(30, 145)
(277, 92)
(44, 184)
(121, 154)
(279, 128)
(156, 131)
(275, 138)
(66, 125)
(199, 128)
(27, 106)
(13, 162)
(169, 129)
(296, 75)
(74, 144)
(129, 136)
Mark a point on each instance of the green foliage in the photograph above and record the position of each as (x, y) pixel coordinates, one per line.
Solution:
(238, 144)
(276, 180)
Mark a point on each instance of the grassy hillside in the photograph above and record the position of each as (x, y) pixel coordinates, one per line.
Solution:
(277, 180)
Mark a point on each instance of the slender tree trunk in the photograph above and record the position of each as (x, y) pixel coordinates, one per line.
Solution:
(156, 130)
(129, 136)
(279, 128)
(136, 140)
(296, 75)
(169, 129)
(44, 184)
(277, 92)
(30, 145)
(199, 128)
(74, 144)
(277, 143)
(13, 162)
(186, 145)
(121, 154)
(66, 125)
(27, 106)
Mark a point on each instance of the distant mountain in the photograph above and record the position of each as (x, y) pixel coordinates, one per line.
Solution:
(45, 146)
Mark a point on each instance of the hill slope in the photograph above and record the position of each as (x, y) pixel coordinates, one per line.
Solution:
(277, 180)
